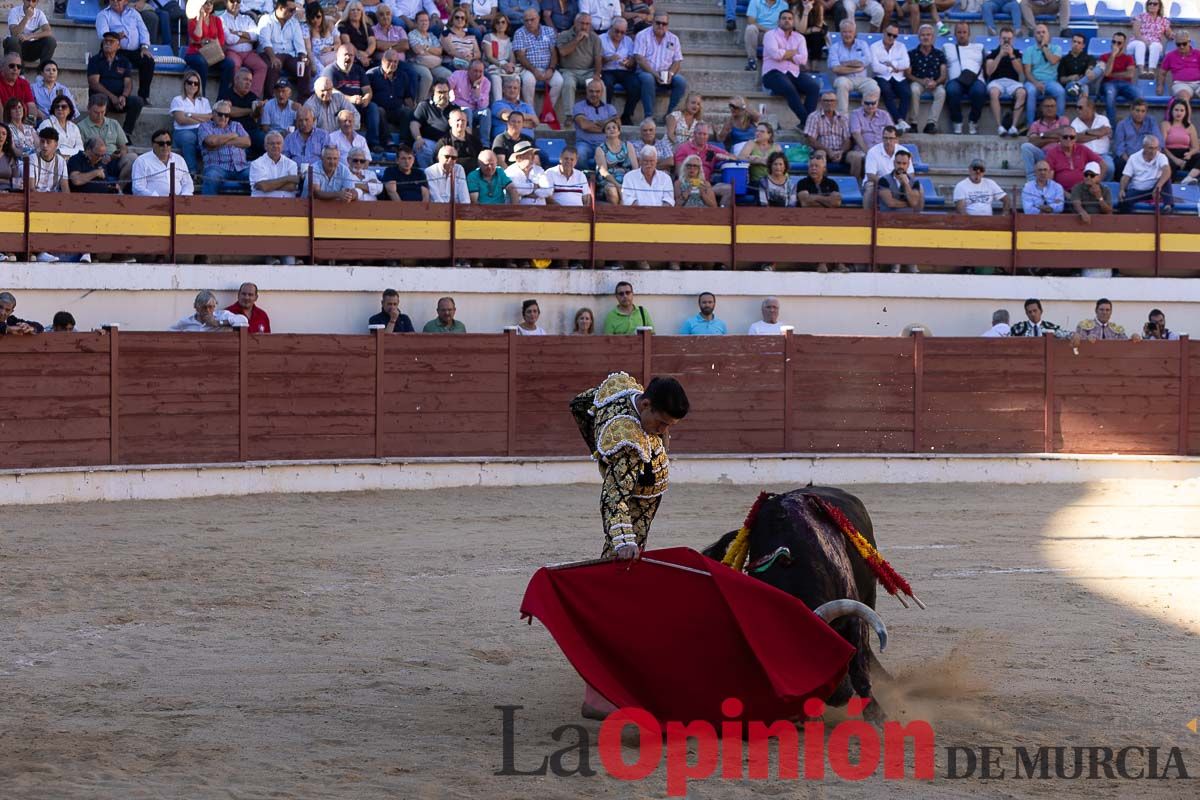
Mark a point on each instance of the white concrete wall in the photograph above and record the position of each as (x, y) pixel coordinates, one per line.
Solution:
(339, 299)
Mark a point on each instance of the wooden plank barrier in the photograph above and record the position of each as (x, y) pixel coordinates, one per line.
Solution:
(138, 398)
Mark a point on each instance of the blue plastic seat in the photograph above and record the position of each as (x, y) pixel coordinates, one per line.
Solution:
(165, 60)
(1150, 93)
(910, 41)
(989, 43)
(932, 198)
(1187, 198)
(1103, 13)
(919, 166)
(83, 11)
(850, 190)
(1098, 46)
(551, 151)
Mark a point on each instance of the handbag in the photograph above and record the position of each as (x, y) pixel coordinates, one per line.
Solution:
(966, 77)
(212, 52)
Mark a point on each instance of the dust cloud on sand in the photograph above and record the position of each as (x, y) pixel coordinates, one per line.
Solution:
(355, 646)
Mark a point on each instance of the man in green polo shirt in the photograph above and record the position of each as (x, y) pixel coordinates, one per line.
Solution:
(626, 317)
(488, 185)
(445, 322)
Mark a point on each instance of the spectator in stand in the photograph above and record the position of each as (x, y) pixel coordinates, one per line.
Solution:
(1067, 158)
(584, 323)
(897, 191)
(1147, 178)
(740, 125)
(189, 110)
(407, 12)
(1043, 132)
(848, 61)
(830, 131)
(438, 177)
(281, 45)
(246, 108)
(64, 322)
(881, 160)
(530, 314)
(1183, 65)
(1155, 327)
(515, 10)
(1181, 143)
(990, 8)
(70, 140)
(326, 103)
(425, 50)
(152, 170)
(614, 159)
(528, 177)
(97, 123)
(509, 102)
(626, 317)
(691, 189)
(402, 181)
(964, 63)
(345, 138)
(659, 57)
(889, 63)
(445, 322)
(388, 34)
(472, 93)
(354, 29)
(320, 33)
(206, 27)
(462, 139)
(348, 77)
(247, 306)
(847, 9)
(1041, 73)
(581, 60)
(569, 186)
(225, 143)
(603, 12)
(559, 14)
(1000, 327)
(710, 155)
(304, 145)
(534, 49)
(817, 189)
(758, 150)
(332, 180)
(1095, 131)
(769, 324)
(762, 16)
(681, 123)
(1075, 69)
(389, 315)
(1031, 9)
(366, 183)
(1042, 195)
(867, 126)
(777, 188)
(12, 169)
(648, 135)
(1006, 77)
(1151, 30)
(706, 322)
(273, 174)
(1130, 133)
(513, 134)
(1118, 74)
(927, 72)
(646, 186)
(207, 319)
(620, 67)
(133, 41)
(279, 113)
(23, 134)
(431, 122)
(976, 195)
(394, 92)
(591, 115)
(48, 87)
(489, 185)
(11, 325)
(29, 33)
(785, 64)
(86, 171)
(241, 37)
(1090, 196)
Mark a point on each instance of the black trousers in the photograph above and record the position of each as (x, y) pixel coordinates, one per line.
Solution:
(144, 62)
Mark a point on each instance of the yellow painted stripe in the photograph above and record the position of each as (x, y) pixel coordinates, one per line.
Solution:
(226, 225)
(380, 229)
(99, 224)
(940, 238)
(1096, 241)
(802, 234)
(1180, 243)
(524, 231)
(12, 222)
(638, 233)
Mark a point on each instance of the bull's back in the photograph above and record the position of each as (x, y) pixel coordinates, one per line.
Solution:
(856, 512)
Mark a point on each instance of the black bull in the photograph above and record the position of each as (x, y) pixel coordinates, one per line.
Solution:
(820, 565)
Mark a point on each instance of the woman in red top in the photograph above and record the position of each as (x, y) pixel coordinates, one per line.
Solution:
(201, 30)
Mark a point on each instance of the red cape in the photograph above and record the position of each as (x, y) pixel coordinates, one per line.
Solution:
(677, 642)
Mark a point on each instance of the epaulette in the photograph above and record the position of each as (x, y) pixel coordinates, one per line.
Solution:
(614, 387)
(623, 431)
(1087, 325)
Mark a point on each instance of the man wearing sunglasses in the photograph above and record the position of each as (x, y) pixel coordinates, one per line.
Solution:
(889, 61)
(13, 85)
(1068, 159)
(152, 171)
(225, 143)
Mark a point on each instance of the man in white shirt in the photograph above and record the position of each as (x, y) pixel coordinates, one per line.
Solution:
(273, 174)
(646, 186)
(438, 176)
(532, 185)
(208, 318)
(881, 160)
(963, 55)
(975, 195)
(241, 39)
(152, 171)
(1095, 130)
(345, 138)
(603, 12)
(1145, 173)
(769, 323)
(568, 186)
(889, 60)
(1000, 327)
(366, 182)
(281, 44)
(29, 31)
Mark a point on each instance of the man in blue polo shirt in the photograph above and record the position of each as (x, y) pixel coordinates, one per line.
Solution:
(705, 323)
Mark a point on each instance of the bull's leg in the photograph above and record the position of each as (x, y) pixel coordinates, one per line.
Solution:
(858, 634)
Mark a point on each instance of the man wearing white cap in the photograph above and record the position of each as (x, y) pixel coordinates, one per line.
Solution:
(1090, 196)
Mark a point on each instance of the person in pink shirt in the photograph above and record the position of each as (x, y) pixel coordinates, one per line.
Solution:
(472, 92)
(785, 68)
(1068, 159)
(1184, 65)
(709, 155)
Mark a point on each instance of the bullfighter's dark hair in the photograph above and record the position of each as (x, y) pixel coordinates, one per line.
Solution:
(1102, 301)
(1033, 301)
(667, 395)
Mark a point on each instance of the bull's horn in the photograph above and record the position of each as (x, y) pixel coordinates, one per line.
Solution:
(841, 608)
